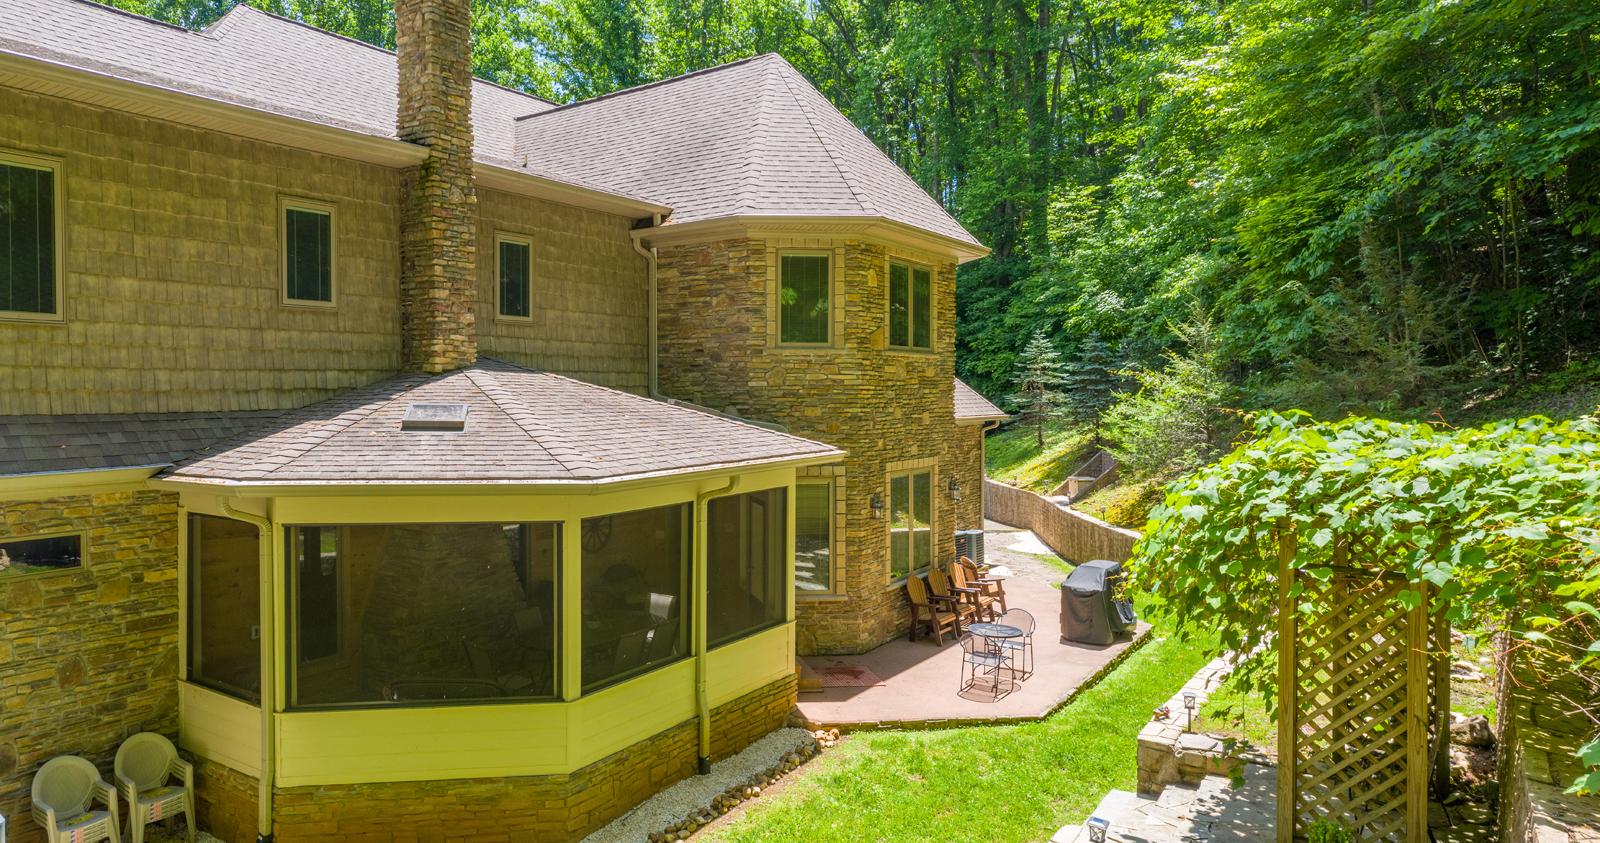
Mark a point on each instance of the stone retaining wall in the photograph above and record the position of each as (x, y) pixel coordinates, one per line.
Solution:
(1169, 753)
(1538, 736)
(1074, 535)
(88, 656)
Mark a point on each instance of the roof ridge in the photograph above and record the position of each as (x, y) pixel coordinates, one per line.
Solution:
(656, 84)
(339, 423)
(526, 420)
(106, 7)
(240, 4)
(839, 165)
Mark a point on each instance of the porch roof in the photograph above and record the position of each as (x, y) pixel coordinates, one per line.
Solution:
(522, 426)
(972, 406)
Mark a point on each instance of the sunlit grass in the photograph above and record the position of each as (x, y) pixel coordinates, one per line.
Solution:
(1014, 456)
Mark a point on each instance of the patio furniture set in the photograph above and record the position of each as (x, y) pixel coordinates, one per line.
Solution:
(67, 787)
(970, 602)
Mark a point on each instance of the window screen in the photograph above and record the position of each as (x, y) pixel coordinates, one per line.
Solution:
(27, 239)
(803, 298)
(746, 554)
(225, 605)
(635, 592)
(308, 254)
(516, 276)
(813, 540)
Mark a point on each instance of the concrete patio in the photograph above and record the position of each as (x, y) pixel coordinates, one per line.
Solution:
(919, 679)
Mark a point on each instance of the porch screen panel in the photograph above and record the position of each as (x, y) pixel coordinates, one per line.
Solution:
(746, 554)
(813, 540)
(27, 239)
(423, 613)
(636, 569)
(225, 606)
(803, 298)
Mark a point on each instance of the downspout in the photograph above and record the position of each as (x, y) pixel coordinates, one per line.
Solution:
(268, 691)
(702, 694)
(650, 256)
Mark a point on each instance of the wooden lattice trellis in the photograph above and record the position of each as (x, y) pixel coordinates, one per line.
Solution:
(1357, 697)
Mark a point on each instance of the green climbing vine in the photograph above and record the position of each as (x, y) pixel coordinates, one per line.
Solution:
(1504, 519)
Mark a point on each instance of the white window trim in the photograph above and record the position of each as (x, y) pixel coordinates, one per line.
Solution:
(933, 309)
(313, 206)
(775, 297)
(906, 468)
(499, 308)
(57, 170)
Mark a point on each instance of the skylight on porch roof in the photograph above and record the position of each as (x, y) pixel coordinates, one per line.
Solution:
(434, 417)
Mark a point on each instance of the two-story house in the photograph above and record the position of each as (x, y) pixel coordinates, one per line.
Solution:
(432, 459)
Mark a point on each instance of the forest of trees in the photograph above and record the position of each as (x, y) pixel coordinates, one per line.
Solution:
(1374, 205)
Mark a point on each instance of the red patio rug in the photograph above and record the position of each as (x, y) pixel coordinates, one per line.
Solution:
(846, 676)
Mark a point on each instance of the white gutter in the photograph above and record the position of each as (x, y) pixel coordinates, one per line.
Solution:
(268, 690)
(699, 590)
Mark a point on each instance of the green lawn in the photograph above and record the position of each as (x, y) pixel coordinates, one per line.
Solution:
(1013, 456)
(996, 783)
(1234, 714)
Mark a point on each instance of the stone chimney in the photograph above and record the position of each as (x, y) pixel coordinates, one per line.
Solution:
(438, 227)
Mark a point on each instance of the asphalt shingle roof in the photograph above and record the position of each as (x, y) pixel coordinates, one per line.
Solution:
(970, 405)
(522, 426)
(37, 444)
(752, 137)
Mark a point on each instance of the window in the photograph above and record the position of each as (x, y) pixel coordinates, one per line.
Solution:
(910, 523)
(418, 613)
(745, 556)
(225, 606)
(40, 554)
(307, 252)
(803, 299)
(30, 248)
(910, 306)
(813, 537)
(635, 592)
(516, 277)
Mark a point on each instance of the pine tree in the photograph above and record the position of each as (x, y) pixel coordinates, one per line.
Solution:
(1091, 381)
(1040, 374)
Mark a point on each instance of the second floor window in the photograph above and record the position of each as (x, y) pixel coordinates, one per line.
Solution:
(307, 253)
(910, 306)
(803, 306)
(28, 204)
(516, 277)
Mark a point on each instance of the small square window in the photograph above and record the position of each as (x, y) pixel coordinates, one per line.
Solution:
(910, 306)
(516, 277)
(803, 299)
(30, 247)
(307, 253)
(40, 554)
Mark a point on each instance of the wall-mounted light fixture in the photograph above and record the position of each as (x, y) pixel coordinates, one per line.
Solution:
(955, 490)
(877, 506)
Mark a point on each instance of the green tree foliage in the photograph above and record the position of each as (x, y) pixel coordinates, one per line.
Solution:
(1175, 421)
(1091, 380)
(1039, 378)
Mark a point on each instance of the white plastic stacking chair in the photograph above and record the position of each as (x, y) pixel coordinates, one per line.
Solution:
(64, 792)
(146, 763)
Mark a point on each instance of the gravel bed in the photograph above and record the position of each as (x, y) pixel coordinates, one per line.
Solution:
(694, 794)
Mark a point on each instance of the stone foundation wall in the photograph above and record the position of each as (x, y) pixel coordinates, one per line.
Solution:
(1074, 535)
(225, 801)
(519, 808)
(883, 406)
(88, 656)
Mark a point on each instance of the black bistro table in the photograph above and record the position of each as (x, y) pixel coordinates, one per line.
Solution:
(992, 634)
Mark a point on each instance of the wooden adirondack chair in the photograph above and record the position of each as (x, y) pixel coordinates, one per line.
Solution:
(965, 606)
(976, 596)
(938, 614)
(994, 588)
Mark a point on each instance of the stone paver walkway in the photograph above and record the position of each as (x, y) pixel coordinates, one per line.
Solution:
(920, 678)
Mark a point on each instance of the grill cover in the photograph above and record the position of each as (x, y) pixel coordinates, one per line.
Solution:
(1089, 615)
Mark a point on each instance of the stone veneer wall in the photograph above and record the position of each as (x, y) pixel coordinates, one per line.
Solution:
(590, 316)
(87, 656)
(171, 285)
(963, 458)
(882, 406)
(438, 224)
(1074, 535)
(520, 808)
(1538, 734)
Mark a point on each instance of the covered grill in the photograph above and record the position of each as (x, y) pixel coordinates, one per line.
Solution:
(1089, 613)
